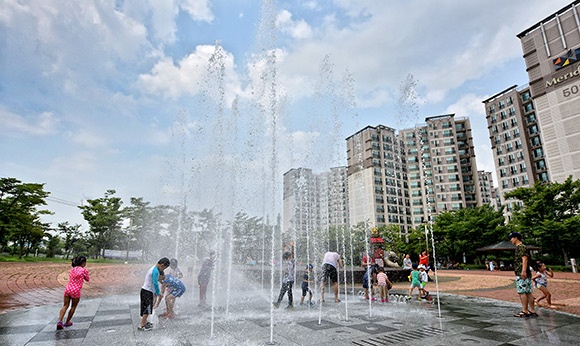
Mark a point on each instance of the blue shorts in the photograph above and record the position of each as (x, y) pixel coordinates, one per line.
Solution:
(523, 286)
(177, 291)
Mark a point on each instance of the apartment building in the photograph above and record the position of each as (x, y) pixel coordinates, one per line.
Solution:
(377, 178)
(551, 49)
(314, 201)
(516, 142)
(485, 187)
(447, 176)
(407, 177)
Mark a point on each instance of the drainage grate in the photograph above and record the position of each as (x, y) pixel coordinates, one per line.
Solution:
(399, 337)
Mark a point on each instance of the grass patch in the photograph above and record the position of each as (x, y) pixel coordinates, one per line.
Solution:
(32, 259)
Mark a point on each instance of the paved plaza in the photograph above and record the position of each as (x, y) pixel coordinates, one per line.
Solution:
(109, 312)
(112, 320)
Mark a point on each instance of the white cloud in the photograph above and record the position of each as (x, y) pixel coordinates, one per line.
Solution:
(187, 76)
(88, 139)
(443, 48)
(42, 124)
(198, 9)
(296, 29)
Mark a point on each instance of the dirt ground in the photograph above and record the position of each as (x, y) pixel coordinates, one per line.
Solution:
(25, 285)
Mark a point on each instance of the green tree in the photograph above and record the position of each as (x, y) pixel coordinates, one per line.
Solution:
(461, 232)
(53, 246)
(19, 214)
(139, 214)
(550, 217)
(104, 217)
(73, 238)
(249, 240)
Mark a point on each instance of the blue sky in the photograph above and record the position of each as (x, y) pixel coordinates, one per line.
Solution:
(105, 94)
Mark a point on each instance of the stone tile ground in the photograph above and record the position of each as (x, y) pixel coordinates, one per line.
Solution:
(30, 297)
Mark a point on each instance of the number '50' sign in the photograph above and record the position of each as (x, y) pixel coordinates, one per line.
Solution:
(573, 90)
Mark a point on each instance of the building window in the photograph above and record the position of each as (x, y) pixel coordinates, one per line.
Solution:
(526, 96)
(540, 165)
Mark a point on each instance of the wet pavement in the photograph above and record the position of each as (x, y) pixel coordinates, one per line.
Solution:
(246, 320)
(108, 314)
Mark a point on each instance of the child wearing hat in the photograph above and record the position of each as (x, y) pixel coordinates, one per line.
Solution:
(424, 279)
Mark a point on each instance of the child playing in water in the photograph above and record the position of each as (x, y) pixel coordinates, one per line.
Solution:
(369, 279)
(541, 281)
(72, 293)
(384, 284)
(288, 281)
(415, 281)
(305, 286)
(175, 289)
(204, 276)
(424, 279)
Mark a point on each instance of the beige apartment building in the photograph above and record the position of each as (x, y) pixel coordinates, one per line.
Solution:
(551, 49)
(407, 177)
(314, 201)
(485, 187)
(516, 142)
(377, 178)
(448, 171)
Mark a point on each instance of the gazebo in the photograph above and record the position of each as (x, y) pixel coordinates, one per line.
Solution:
(503, 246)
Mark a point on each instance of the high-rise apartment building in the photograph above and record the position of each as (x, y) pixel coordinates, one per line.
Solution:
(485, 187)
(300, 205)
(551, 50)
(314, 201)
(377, 178)
(334, 198)
(404, 178)
(448, 178)
(516, 142)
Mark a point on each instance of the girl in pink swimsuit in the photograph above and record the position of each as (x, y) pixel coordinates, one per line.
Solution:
(72, 293)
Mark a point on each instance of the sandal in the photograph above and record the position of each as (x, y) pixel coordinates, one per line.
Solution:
(521, 314)
(532, 314)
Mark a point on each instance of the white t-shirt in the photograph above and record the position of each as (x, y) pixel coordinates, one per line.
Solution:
(331, 258)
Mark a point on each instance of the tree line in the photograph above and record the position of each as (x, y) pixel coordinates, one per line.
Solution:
(549, 218)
